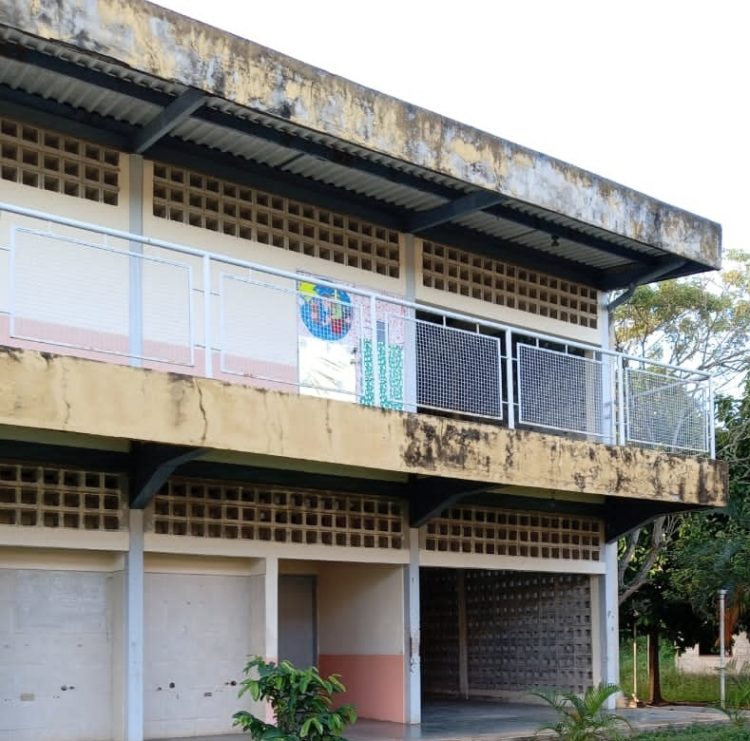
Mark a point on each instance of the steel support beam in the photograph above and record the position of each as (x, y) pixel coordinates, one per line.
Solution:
(151, 464)
(467, 204)
(428, 497)
(180, 109)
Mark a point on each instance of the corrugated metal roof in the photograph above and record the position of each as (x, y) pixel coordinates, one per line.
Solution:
(136, 112)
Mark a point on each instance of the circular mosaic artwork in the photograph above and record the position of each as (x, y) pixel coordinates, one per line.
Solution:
(326, 312)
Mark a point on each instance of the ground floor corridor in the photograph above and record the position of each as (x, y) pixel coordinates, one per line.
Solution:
(496, 721)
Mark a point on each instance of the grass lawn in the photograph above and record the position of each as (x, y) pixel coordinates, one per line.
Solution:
(675, 687)
(698, 733)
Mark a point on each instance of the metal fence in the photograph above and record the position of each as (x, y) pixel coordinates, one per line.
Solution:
(98, 292)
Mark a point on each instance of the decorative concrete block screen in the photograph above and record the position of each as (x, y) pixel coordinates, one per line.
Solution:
(61, 164)
(43, 496)
(511, 631)
(222, 206)
(210, 509)
(466, 274)
(492, 531)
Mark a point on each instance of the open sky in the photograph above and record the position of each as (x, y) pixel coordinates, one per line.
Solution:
(654, 94)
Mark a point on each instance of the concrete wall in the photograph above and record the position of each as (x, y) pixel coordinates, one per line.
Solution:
(200, 627)
(361, 636)
(58, 646)
(54, 393)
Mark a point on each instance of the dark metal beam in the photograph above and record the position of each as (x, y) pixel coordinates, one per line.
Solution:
(64, 118)
(64, 455)
(570, 233)
(467, 204)
(291, 478)
(430, 496)
(264, 177)
(173, 115)
(151, 465)
(514, 253)
(622, 516)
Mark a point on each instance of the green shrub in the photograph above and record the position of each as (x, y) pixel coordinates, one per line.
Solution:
(583, 718)
(300, 700)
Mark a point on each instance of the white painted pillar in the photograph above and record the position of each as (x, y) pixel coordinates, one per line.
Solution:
(135, 226)
(413, 662)
(271, 603)
(134, 629)
(609, 617)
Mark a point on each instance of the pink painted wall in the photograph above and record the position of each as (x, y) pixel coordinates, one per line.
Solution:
(375, 684)
(361, 635)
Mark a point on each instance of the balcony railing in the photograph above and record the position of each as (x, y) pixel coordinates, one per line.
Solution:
(99, 293)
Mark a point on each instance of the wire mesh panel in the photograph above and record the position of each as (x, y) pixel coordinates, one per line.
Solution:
(560, 391)
(72, 293)
(666, 410)
(458, 370)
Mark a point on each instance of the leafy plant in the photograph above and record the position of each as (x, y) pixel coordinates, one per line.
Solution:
(738, 700)
(300, 700)
(583, 718)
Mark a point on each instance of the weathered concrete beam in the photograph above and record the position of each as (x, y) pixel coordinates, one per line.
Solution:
(169, 46)
(41, 391)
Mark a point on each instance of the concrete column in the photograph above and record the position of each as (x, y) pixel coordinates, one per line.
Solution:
(135, 226)
(410, 334)
(134, 630)
(271, 603)
(609, 620)
(413, 663)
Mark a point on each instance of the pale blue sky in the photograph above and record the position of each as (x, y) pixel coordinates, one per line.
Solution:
(653, 94)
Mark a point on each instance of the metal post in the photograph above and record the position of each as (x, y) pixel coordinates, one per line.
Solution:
(620, 401)
(722, 655)
(208, 363)
(711, 419)
(635, 664)
(509, 378)
(135, 278)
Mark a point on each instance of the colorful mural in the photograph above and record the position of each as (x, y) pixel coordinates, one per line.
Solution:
(335, 346)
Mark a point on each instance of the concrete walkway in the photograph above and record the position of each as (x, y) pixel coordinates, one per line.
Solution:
(490, 721)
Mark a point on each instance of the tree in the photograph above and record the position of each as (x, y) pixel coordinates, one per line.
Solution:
(701, 323)
(713, 551)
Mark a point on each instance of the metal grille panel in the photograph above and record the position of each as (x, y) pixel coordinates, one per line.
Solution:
(560, 391)
(221, 206)
(466, 274)
(245, 512)
(44, 496)
(61, 164)
(666, 411)
(458, 371)
(499, 532)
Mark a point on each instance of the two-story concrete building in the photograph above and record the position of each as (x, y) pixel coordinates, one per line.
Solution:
(292, 368)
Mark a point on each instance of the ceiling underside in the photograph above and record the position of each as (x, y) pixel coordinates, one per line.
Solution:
(63, 88)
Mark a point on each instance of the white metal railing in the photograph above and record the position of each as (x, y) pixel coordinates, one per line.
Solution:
(97, 292)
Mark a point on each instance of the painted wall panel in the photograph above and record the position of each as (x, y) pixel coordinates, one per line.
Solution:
(55, 655)
(197, 639)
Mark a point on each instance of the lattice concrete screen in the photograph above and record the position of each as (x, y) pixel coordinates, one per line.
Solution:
(466, 274)
(511, 630)
(45, 159)
(45, 496)
(493, 531)
(209, 509)
(221, 206)
(440, 640)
